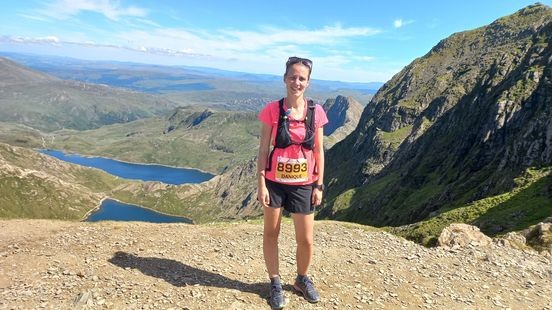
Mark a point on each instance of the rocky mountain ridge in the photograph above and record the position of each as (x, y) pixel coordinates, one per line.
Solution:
(343, 115)
(458, 125)
(130, 265)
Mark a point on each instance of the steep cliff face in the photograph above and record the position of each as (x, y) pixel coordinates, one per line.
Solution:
(455, 126)
(236, 191)
(343, 115)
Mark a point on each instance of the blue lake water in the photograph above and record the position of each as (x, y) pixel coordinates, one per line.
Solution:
(112, 210)
(145, 172)
(117, 211)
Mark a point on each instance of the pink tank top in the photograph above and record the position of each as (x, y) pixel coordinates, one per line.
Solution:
(294, 165)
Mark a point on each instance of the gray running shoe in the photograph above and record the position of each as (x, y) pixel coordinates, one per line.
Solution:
(277, 299)
(304, 285)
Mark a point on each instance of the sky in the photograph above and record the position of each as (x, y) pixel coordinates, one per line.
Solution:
(352, 41)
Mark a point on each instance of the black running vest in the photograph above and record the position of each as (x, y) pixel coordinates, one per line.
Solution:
(283, 137)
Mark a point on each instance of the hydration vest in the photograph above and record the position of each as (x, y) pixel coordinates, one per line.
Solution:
(283, 137)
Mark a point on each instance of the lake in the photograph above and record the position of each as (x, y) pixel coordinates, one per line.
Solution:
(112, 210)
(118, 211)
(134, 171)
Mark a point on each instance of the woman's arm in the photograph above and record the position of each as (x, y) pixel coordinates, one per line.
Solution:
(319, 159)
(262, 158)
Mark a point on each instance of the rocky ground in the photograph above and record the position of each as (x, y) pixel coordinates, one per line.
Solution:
(122, 265)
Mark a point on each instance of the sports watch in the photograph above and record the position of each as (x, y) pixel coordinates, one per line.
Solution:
(318, 186)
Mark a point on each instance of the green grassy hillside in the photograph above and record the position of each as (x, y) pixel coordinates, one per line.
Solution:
(33, 185)
(48, 103)
(222, 140)
(526, 205)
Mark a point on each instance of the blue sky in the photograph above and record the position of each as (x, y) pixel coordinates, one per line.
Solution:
(356, 41)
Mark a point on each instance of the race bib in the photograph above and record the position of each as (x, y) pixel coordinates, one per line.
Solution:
(291, 170)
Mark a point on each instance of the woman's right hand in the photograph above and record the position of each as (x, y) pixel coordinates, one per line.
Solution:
(262, 196)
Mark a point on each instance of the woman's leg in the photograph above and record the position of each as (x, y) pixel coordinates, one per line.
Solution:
(272, 220)
(304, 237)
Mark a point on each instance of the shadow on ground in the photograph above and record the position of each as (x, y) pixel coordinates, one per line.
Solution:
(179, 274)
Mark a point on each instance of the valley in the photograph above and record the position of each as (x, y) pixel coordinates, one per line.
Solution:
(461, 134)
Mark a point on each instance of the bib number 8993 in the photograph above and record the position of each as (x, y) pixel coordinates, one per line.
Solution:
(286, 167)
(292, 170)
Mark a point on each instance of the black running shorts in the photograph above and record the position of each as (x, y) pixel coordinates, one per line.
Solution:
(294, 198)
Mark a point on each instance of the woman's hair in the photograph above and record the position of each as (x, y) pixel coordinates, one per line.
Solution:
(296, 60)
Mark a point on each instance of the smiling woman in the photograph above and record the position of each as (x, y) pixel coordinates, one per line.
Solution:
(289, 177)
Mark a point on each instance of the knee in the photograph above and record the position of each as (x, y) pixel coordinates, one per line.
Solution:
(305, 241)
(271, 234)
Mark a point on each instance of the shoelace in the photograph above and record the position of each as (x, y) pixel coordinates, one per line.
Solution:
(276, 288)
(309, 285)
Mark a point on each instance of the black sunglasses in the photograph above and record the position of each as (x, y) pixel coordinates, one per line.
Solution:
(295, 60)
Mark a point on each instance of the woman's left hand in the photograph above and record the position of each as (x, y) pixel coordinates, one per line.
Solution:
(316, 198)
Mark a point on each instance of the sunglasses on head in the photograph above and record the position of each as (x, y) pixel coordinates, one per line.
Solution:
(295, 60)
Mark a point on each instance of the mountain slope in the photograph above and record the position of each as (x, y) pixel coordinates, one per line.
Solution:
(33, 185)
(37, 186)
(47, 103)
(453, 127)
(14, 74)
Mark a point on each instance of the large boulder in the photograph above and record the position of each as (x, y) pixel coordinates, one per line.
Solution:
(540, 236)
(460, 235)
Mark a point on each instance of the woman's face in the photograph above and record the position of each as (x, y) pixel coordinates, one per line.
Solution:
(297, 79)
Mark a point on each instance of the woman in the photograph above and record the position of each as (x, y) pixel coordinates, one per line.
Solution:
(291, 175)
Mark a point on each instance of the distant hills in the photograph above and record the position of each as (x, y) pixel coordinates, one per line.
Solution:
(48, 103)
(189, 85)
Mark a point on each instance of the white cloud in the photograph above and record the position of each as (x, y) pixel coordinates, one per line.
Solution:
(262, 50)
(63, 9)
(47, 39)
(148, 22)
(398, 23)
(52, 39)
(327, 35)
(366, 58)
(238, 44)
(34, 17)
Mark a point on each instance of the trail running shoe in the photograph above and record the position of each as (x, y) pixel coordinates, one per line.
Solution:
(277, 299)
(304, 285)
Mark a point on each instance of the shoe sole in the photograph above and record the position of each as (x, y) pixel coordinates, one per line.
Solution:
(298, 289)
(279, 307)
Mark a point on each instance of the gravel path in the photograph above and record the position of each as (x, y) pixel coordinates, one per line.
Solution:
(129, 265)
